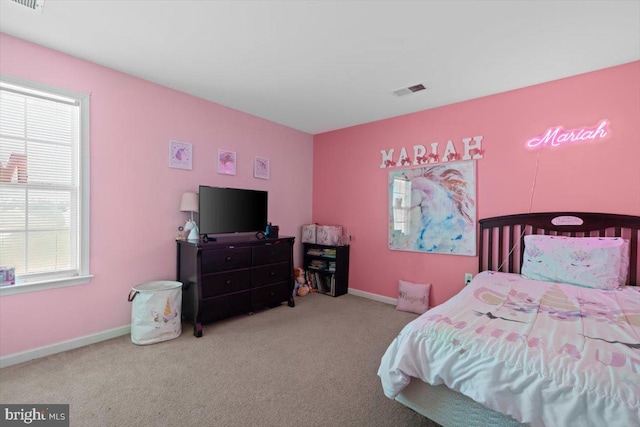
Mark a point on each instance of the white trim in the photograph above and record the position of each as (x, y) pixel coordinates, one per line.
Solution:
(375, 297)
(44, 285)
(19, 81)
(84, 209)
(48, 350)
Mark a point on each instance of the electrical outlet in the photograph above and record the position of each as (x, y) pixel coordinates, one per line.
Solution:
(467, 278)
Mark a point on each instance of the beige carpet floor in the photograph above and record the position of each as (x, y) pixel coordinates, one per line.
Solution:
(312, 365)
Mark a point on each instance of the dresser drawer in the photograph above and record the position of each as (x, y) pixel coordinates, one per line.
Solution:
(269, 295)
(225, 283)
(217, 260)
(267, 274)
(222, 307)
(271, 254)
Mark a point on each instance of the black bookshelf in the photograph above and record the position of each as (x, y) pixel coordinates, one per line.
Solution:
(327, 268)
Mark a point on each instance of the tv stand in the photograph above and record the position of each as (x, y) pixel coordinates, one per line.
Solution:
(233, 275)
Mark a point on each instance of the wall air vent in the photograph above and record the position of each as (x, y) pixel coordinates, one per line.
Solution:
(409, 90)
(36, 5)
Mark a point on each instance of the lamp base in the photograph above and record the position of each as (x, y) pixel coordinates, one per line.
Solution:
(194, 233)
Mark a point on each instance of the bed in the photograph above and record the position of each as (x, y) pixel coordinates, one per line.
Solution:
(547, 334)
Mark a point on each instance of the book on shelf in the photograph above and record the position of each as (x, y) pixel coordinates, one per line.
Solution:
(323, 283)
(307, 276)
(318, 264)
(329, 253)
(326, 284)
(326, 252)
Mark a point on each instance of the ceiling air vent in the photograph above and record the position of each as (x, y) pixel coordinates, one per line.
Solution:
(36, 5)
(409, 90)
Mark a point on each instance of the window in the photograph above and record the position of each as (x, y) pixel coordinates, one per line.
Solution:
(401, 194)
(44, 185)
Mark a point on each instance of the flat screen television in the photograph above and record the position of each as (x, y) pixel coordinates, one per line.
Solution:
(231, 210)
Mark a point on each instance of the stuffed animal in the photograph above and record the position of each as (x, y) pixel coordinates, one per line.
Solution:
(301, 288)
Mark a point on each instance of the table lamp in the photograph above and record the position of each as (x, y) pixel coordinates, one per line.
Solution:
(189, 203)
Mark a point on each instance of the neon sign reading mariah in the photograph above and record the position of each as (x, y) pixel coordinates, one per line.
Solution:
(557, 135)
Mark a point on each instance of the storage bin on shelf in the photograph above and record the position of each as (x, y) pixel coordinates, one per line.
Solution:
(329, 235)
(309, 233)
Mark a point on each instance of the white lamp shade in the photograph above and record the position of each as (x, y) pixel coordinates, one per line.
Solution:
(189, 202)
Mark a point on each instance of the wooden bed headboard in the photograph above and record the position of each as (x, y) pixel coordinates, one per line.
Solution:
(502, 237)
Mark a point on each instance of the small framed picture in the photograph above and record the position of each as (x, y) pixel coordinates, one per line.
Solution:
(226, 162)
(261, 168)
(180, 155)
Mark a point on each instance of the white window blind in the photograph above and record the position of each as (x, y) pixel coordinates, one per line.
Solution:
(402, 205)
(43, 183)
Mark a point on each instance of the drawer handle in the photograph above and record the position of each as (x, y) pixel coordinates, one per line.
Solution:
(228, 282)
(272, 273)
(228, 258)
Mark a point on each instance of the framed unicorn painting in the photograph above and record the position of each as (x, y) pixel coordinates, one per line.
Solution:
(433, 209)
(180, 155)
(226, 162)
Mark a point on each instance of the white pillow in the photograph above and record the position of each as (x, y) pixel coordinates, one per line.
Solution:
(594, 262)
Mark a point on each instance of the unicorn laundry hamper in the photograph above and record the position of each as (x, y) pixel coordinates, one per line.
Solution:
(156, 311)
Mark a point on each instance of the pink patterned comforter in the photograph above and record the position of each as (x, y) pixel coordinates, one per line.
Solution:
(545, 353)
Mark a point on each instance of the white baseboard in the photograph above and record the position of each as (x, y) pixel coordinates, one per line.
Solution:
(375, 297)
(36, 353)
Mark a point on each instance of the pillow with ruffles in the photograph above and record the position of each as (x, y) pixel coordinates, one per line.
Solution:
(413, 297)
(594, 262)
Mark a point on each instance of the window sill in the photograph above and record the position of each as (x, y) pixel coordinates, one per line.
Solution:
(44, 285)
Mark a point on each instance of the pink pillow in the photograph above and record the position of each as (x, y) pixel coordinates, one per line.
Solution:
(413, 297)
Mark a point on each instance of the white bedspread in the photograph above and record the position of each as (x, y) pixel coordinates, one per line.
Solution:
(544, 353)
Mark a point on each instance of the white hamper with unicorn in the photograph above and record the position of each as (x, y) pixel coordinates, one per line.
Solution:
(156, 311)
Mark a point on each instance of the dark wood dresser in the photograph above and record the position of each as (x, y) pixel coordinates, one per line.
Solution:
(233, 275)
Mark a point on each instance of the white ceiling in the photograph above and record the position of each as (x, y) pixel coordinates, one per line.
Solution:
(318, 66)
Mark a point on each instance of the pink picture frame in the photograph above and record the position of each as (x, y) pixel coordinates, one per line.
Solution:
(261, 168)
(226, 162)
(180, 155)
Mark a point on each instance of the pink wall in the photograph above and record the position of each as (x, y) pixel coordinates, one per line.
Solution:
(135, 196)
(351, 189)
